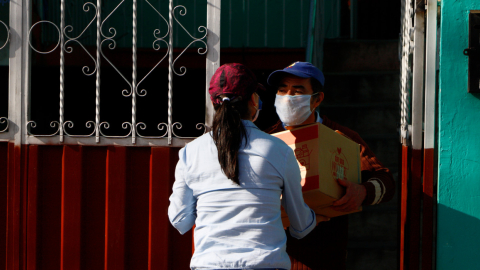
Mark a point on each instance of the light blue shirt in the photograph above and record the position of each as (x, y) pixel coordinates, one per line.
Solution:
(318, 119)
(239, 226)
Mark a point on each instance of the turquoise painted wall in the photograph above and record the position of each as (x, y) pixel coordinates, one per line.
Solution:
(458, 234)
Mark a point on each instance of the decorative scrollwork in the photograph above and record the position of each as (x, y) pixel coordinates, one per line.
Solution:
(69, 29)
(156, 46)
(111, 46)
(53, 124)
(69, 124)
(183, 12)
(157, 31)
(109, 39)
(143, 92)
(111, 29)
(160, 126)
(59, 37)
(201, 29)
(8, 35)
(4, 120)
(85, 69)
(179, 126)
(106, 125)
(125, 92)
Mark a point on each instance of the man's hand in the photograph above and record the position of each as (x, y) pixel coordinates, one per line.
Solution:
(352, 199)
(321, 218)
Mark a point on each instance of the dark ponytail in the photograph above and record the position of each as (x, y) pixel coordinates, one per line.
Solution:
(229, 133)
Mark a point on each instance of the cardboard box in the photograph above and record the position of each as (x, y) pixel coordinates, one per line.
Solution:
(323, 156)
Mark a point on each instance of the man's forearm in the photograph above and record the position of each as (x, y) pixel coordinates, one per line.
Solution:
(380, 187)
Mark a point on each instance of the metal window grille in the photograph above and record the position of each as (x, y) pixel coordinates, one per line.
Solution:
(106, 37)
(4, 38)
(4, 42)
(406, 44)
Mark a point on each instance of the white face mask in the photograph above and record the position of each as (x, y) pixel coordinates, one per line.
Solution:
(259, 108)
(293, 110)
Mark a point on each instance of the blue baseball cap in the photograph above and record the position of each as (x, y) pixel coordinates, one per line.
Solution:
(299, 69)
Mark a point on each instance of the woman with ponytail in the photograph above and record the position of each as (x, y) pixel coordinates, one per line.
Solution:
(229, 181)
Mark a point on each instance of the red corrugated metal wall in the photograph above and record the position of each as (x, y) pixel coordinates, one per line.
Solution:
(88, 207)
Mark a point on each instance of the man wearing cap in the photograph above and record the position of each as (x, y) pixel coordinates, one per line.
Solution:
(299, 92)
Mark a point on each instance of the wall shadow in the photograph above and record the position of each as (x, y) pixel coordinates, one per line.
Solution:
(458, 239)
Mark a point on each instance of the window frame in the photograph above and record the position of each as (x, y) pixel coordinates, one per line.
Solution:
(20, 75)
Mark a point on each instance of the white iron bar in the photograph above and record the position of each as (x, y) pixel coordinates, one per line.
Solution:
(26, 77)
(176, 142)
(97, 81)
(20, 80)
(201, 29)
(406, 71)
(430, 74)
(14, 82)
(183, 70)
(85, 69)
(417, 85)
(62, 66)
(4, 120)
(170, 70)
(19, 69)
(213, 54)
(125, 92)
(61, 125)
(24, 107)
(134, 69)
(156, 46)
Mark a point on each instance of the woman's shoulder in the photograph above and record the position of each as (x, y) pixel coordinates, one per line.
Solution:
(269, 143)
(202, 141)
